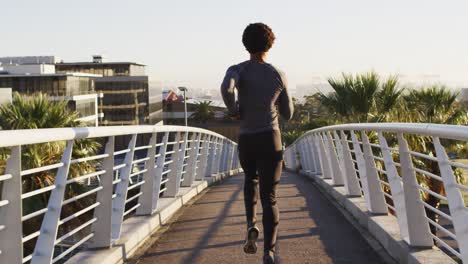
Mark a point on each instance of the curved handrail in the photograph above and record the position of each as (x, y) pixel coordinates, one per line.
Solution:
(10, 138)
(427, 129)
(386, 176)
(118, 183)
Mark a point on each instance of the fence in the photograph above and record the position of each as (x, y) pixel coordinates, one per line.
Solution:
(50, 207)
(400, 169)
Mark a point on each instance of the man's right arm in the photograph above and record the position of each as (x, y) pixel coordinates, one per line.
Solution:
(285, 103)
(228, 87)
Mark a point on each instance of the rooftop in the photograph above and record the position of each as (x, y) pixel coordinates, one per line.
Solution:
(100, 63)
(76, 74)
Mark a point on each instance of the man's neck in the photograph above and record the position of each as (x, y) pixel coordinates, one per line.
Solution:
(259, 57)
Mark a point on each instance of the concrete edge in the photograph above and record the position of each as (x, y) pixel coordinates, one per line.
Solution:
(381, 231)
(137, 229)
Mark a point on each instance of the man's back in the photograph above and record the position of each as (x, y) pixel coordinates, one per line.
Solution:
(261, 93)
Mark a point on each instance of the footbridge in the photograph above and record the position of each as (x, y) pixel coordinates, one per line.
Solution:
(355, 193)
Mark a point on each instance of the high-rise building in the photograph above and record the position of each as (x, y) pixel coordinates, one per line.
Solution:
(128, 98)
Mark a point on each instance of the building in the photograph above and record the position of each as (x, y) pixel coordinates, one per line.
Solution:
(174, 114)
(25, 60)
(28, 79)
(128, 97)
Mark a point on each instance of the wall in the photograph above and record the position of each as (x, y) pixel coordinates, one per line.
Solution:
(5, 95)
(29, 68)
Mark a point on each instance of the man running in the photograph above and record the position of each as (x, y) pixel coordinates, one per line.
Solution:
(262, 94)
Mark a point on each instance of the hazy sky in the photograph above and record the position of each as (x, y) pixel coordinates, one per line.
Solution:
(193, 42)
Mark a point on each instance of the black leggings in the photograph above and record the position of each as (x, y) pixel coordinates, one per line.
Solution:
(261, 157)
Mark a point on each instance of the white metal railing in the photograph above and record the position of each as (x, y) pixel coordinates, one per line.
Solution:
(156, 162)
(382, 163)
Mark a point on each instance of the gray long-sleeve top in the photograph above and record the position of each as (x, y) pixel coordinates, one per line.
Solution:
(262, 93)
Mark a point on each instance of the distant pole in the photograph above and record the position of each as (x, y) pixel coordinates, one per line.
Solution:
(184, 90)
(185, 108)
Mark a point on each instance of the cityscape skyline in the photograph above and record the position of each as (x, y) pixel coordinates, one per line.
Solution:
(194, 43)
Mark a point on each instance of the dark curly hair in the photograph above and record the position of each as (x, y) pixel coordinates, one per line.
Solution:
(258, 37)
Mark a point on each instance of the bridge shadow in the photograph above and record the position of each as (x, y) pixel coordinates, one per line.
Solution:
(212, 230)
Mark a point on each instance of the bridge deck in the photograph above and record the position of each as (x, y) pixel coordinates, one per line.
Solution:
(212, 230)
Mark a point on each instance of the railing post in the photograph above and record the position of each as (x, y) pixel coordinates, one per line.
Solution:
(287, 158)
(377, 203)
(230, 157)
(222, 161)
(351, 181)
(118, 204)
(210, 158)
(296, 157)
(203, 163)
(317, 154)
(236, 157)
(192, 161)
(303, 156)
(361, 164)
(148, 191)
(396, 186)
(324, 161)
(419, 233)
(11, 244)
(216, 156)
(337, 176)
(175, 175)
(159, 170)
(44, 249)
(456, 204)
(102, 227)
(299, 155)
(311, 155)
(339, 151)
(174, 156)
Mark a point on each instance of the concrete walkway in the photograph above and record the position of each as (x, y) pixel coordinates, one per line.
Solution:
(212, 230)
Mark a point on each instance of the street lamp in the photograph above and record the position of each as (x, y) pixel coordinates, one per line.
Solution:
(184, 89)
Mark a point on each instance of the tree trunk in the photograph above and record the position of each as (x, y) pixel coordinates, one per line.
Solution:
(435, 203)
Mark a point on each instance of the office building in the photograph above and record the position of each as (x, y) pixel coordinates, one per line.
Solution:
(29, 79)
(128, 97)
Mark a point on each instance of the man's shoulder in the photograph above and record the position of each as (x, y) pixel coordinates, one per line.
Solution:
(278, 72)
(238, 68)
(276, 69)
(242, 66)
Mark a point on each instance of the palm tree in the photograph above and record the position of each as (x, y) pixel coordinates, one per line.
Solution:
(203, 113)
(39, 112)
(36, 112)
(362, 98)
(434, 104)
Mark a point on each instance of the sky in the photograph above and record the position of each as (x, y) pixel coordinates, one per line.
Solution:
(192, 43)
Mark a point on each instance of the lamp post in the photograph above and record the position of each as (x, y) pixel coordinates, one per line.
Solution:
(184, 90)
